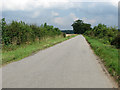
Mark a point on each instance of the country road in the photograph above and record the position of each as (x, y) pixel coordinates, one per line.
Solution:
(70, 64)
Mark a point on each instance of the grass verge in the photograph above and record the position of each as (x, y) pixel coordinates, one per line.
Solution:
(107, 53)
(25, 50)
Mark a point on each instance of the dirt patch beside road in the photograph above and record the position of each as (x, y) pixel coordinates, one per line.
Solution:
(69, 35)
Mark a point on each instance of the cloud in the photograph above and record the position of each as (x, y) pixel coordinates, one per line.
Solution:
(15, 4)
(0, 9)
(30, 4)
(114, 2)
(35, 14)
(33, 4)
(66, 20)
(73, 16)
(27, 5)
(91, 21)
(59, 20)
(60, 14)
(54, 13)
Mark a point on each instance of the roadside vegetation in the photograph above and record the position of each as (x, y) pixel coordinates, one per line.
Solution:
(105, 41)
(107, 35)
(24, 50)
(68, 31)
(17, 33)
(107, 53)
(20, 40)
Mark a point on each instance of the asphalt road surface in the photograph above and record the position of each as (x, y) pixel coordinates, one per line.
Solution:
(70, 64)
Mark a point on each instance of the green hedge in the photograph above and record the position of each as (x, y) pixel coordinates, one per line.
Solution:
(108, 35)
(19, 32)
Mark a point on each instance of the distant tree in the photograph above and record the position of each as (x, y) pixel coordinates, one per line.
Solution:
(45, 24)
(68, 31)
(79, 27)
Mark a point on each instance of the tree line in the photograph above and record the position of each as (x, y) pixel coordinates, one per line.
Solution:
(19, 32)
(109, 35)
(79, 27)
(68, 31)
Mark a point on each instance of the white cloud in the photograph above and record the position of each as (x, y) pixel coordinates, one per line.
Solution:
(73, 16)
(113, 2)
(32, 4)
(94, 0)
(66, 20)
(14, 4)
(54, 13)
(59, 20)
(0, 5)
(91, 21)
(35, 14)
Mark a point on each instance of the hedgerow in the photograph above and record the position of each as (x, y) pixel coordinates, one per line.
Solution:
(108, 35)
(17, 33)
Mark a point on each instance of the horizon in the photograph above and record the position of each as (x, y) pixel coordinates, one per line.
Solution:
(61, 14)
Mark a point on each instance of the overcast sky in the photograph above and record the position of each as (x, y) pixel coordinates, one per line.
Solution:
(61, 13)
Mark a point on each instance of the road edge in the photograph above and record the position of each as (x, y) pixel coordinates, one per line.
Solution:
(104, 68)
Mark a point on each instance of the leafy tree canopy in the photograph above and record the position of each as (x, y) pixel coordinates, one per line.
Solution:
(79, 27)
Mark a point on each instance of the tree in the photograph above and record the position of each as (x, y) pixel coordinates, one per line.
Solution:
(79, 27)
